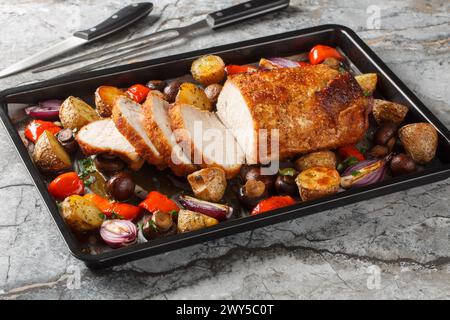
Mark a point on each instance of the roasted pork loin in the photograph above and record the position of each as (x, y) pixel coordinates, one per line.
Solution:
(157, 127)
(102, 136)
(210, 143)
(129, 120)
(313, 108)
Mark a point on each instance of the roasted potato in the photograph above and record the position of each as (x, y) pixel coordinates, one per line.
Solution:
(104, 99)
(49, 155)
(388, 112)
(367, 82)
(208, 70)
(97, 184)
(81, 214)
(317, 182)
(190, 221)
(190, 94)
(316, 159)
(420, 141)
(208, 184)
(75, 113)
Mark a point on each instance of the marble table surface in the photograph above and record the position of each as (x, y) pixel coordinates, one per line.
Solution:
(397, 246)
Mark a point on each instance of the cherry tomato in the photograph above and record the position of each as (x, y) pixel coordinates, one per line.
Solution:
(116, 210)
(156, 201)
(320, 52)
(36, 127)
(350, 151)
(65, 185)
(233, 69)
(273, 203)
(138, 92)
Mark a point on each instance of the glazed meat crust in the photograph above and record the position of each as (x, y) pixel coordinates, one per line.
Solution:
(314, 107)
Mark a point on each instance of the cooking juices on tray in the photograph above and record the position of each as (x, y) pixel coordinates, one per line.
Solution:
(314, 116)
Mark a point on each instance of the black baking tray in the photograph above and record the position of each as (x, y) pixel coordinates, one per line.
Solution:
(286, 44)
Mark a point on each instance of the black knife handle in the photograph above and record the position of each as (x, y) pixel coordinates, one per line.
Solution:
(244, 11)
(117, 21)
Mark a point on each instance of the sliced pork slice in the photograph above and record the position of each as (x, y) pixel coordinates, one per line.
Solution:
(129, 120)
(312, 108)
(157, 127)
(102, 136)
(210, 142)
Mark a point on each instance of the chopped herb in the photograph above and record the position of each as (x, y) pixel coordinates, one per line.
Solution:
(342, 70)
(116, 215)
(367, 93)
(173, 213)
(151, 223)
(288, 172)
(340, 167)
(350, 161)
(362, 150)
(86, 167)
(355, 173)
(102, 216)
(90, 180)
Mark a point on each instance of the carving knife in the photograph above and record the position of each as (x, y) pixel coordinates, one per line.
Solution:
(116, 22)
(140, 46)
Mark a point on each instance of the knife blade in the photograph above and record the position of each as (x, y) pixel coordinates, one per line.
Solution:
(121, 19)
(136, 47)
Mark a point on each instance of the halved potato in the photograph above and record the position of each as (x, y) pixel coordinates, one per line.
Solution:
(81, 214)
(208, 184)
(208, 70)
(317, 182)
(98, 185)
(75, 113)
(190, 94)
(190, 221)
(367, 82)
(316, 159)
(49, 155)
(388, 112)
(104, 99)
(420, 141)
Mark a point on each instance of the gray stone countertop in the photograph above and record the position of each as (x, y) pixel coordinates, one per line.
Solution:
(397, 246)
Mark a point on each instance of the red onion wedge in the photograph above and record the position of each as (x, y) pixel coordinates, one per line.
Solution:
(364, 173)
(118, 233)
(214, 210)
(46, 110)
(275, 63)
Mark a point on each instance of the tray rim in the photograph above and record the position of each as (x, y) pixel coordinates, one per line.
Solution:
(147, 249)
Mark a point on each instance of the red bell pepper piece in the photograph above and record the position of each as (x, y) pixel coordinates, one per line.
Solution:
(234, 69)
(273, 203)
(117, 210)
(320, 52)
(138, 92)
(156, 201)
(350, 151)
(36, 127)
(65, 185)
